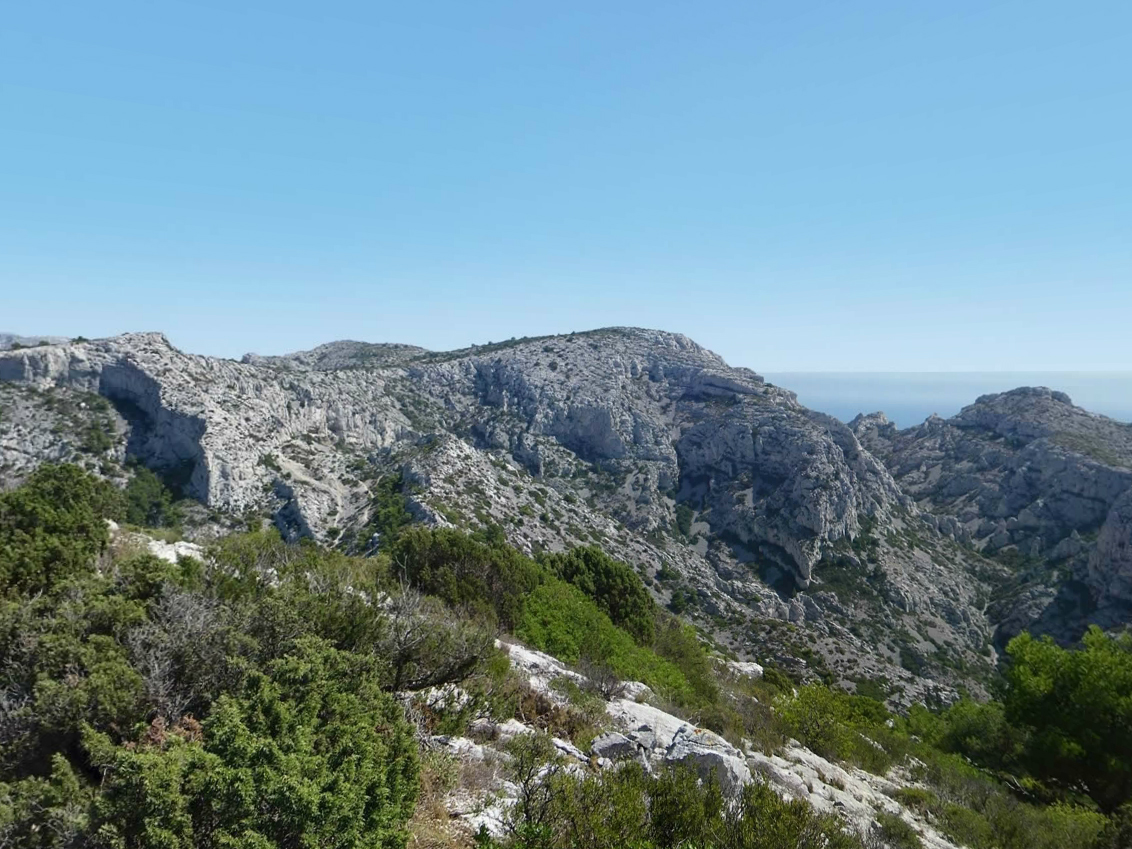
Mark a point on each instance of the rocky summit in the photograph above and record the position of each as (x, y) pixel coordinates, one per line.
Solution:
(857, 552)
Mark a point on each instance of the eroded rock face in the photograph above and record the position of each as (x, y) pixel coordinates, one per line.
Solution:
(728, 495)
(1024, 468)
(1026, 474)
(662, 416)
(60, 426)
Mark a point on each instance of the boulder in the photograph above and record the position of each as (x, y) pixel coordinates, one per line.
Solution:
(711, 756)
(614, 746)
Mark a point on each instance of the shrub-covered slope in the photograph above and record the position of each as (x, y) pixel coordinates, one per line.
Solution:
(272, 694)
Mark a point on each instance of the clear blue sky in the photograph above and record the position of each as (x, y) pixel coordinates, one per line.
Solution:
(798, 185)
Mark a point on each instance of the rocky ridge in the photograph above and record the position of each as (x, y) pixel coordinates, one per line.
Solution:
(1036, 481)
(784, 533)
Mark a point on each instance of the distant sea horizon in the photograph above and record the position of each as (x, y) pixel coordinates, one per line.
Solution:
(907, 398)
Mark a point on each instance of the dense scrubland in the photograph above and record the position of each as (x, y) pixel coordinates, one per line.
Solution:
(274, 695)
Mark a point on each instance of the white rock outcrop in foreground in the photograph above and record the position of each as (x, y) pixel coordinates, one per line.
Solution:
(648, 735)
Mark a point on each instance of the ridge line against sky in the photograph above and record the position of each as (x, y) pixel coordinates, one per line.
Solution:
(796, 186)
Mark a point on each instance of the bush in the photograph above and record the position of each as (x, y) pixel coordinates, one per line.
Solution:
(896, 833)
(677, 643)
(465, 572)
(979, 732)
(615, 587)
(149, 502)
(53, 527)
(684, 516)
(1077, 704)
(627, 808)
(45, 813)
(561, 620)
(389, 513)
(311, 753)
(836, 724)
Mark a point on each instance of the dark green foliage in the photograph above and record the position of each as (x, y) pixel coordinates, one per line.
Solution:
(310, 753)
(615, 587)
(47, 812)
(979, 732)
(103, 671)
(390, 514)
(102, 650)
(149, 502)
(680, 601)
(684, 515)
(581, 606)
(973, 809)
(97, 438)
(53, 527)
(1079, 707)
(776, 678)
(465, 572)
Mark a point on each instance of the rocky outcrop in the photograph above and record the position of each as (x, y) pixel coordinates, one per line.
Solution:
(1034, 479)
(727, 494)
(1024, 468)
(755, 464)
(58, 426)
(14, 340)
(1110, 562)
(650, 736)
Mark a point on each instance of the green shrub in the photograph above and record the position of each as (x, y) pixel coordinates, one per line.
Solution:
(671, 810)
(896, 833)
(836, 724)
(51, 812)
(684, 516)
(1078, 705)
(561, 620)
(966, 827)
(615, 587)
(390, 515)
(919, 799)
(149, 502)
(677, 643)
(53, 527)
(311, 753)
(465, 572)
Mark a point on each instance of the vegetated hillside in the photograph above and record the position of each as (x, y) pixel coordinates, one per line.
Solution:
(765, 522)
(260, 693)
(1042, 485)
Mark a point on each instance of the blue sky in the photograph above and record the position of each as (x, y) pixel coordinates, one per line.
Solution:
(798, 185)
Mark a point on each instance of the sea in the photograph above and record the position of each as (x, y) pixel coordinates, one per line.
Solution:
(907, 398)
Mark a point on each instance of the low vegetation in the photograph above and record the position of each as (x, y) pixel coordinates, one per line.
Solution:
(274, 697)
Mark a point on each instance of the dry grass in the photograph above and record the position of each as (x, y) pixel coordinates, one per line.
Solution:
(432, 826)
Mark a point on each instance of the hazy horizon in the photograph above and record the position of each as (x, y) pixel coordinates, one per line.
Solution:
(908, 398)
